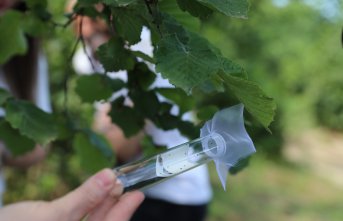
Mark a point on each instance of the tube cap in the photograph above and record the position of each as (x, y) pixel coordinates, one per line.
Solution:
(229, 124)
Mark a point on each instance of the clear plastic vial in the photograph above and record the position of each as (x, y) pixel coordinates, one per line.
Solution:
(174, 161)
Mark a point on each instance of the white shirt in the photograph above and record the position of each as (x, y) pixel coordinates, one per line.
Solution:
(190, 188)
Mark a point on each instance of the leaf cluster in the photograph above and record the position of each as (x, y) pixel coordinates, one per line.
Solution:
(181, 55)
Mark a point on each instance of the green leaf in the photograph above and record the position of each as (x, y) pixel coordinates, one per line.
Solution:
(171, 7)
(243, 163)
(232, 68)
(116, 84)
(31, 121)
(186, 66)
(140, 76)
(195, 8)
(88, 2)
(206, 113)
(146, 102)
(149, 148)
(4, 95)
(188, 129)
(16, 143)
(114, 56)
(39, 8)
(86, 9)
(254, 99)
(234, 8)
(179, 97)
(167, 121)
(120, 3)
(143, 56)
(128, 119)
(100, 143)
(91, 158)
(128, 24)
(65, 126)
(96, 87)
(37, 3)
(34, 26)
(215, 83)
(170, 26)
(12, 41)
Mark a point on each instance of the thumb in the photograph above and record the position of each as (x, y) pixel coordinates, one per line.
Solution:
(82, 200)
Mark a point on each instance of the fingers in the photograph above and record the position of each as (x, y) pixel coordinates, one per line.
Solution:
(81, 201)
(100, 212)
(125, 207)
(29, 210)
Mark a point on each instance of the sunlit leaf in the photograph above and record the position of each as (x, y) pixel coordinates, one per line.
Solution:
(186, 66)
(254, 99)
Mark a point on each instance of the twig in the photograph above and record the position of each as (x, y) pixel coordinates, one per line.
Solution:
(66, 24)
(84, 45)
(148, 6)
(67, 75)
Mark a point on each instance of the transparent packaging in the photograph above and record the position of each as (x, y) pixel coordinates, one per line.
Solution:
(174, 161)
(223, 139)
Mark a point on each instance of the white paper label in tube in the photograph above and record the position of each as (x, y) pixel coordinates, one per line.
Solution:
(174, 162)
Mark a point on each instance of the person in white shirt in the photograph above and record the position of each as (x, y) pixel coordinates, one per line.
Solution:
(184, 197)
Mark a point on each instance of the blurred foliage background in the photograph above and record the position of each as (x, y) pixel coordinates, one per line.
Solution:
(292, 49)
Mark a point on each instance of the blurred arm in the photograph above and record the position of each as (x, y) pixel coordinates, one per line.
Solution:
(24, 161)
(125, 148)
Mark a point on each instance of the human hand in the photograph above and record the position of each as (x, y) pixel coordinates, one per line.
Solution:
(99, 198)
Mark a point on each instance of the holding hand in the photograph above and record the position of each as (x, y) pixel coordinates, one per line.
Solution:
(99, 198)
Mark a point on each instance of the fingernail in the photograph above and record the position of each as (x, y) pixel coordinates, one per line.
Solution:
(118, 189)
(118, 182)
(105, 178)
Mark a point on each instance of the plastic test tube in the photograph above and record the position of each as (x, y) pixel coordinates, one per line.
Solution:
(174, 161)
